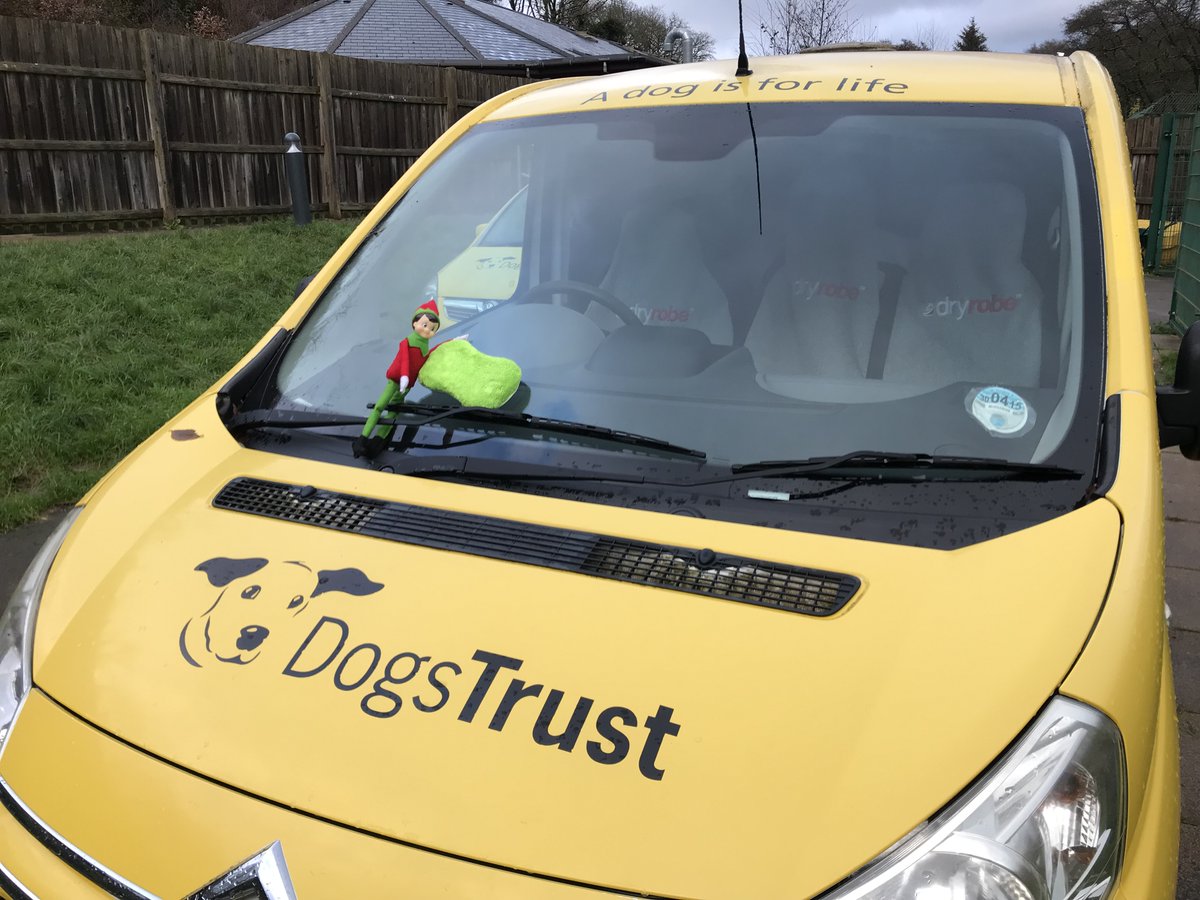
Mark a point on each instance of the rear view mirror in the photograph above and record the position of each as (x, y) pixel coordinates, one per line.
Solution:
(1179, 405)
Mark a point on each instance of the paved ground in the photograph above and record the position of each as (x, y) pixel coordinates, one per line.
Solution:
(17, 548)
(1181, 492)
(1181, 509)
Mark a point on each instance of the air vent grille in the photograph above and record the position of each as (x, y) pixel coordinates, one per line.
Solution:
(784, 587)
(298, 504)
(704, 572)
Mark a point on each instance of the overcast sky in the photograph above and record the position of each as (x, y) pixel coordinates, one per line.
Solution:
(1008, 24)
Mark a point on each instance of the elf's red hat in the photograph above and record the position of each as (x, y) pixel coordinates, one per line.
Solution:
(428, 307)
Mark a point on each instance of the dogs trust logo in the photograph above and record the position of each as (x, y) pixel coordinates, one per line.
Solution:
(253, 595)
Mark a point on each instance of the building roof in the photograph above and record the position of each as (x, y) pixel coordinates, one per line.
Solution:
(470, 33)
(1180, 103)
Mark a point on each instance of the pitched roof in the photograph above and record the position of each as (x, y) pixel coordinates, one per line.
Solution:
(451, 32)
(1179, 102)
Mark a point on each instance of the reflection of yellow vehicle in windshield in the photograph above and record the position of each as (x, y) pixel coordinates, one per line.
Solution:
(486, 273)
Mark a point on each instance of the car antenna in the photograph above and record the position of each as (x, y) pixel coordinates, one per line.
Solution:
(757, 168)
(742, 70)
(743, 62)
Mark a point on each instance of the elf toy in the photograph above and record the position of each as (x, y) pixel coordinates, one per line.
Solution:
(458, 369)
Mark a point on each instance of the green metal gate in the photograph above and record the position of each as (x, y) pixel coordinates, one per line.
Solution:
(1161, 247)
(1160, 147)
(1185, 300)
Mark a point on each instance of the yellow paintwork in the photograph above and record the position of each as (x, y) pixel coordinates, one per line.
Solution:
(902, 77)
(1129, 365)
(788, 771)
(756, 737)
(154, 824)
(1116, 673)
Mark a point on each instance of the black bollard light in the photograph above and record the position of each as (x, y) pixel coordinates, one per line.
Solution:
(297, 178)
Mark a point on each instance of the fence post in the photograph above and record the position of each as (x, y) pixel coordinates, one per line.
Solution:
(451, 95)
(1162, 189)
(329, 179)
(296, 171)
(154, 114)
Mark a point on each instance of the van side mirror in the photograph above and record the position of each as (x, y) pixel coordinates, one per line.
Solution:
(302, 284)
(1179, 405)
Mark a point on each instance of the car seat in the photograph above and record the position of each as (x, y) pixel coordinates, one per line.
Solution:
(969, 309)
(820, 308)
(658, 269)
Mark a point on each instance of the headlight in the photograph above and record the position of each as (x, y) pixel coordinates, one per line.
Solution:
(16, 626)
(1046, 823)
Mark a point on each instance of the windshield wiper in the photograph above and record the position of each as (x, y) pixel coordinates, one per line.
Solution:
(878, 460)
(287, 418)
(416, 416)
(553, 426)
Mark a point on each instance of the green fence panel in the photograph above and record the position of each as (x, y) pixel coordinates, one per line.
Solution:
(1185, 299)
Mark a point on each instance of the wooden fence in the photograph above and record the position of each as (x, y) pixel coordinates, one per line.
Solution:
(110, 127)
(1144, 135)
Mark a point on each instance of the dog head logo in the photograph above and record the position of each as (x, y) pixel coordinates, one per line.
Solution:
(252, 597)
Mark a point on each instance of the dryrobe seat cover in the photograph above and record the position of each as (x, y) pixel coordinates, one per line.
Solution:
(658, 270)
(969, 309)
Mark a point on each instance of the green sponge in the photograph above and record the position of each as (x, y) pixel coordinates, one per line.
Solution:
(470, 377)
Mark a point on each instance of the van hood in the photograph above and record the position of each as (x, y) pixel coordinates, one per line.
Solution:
(573, 727)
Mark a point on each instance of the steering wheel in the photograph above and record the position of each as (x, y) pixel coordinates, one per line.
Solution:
(611, 302)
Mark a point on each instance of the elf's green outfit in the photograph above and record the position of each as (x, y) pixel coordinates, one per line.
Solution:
(401, 375)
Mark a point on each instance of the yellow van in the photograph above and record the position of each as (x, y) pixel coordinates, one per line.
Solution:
(819, 552)
(486, 272)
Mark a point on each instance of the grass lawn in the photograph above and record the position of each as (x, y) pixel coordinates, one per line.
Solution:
(1164, 366)
(102, 339)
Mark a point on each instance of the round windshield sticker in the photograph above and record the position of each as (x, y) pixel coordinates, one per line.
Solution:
(1002, 412)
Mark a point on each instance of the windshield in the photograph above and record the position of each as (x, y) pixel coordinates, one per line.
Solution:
(775, 283)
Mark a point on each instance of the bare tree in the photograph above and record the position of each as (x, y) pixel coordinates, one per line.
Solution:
(785, 26)
(1150, 47)
(932, 37)
(570, 13)
(63, 10)
(643, 28)
(927, 37)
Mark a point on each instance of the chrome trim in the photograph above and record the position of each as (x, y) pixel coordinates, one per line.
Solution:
(6, 730)
(266, 871)
(71, 855)
(14, 888)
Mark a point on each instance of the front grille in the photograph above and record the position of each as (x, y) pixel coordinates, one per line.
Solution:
(791, 588)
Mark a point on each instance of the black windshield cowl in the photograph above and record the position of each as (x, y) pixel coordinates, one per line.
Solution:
(854, 469)
(499, 470)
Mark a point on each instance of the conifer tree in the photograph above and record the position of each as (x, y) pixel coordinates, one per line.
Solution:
(971, 38)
